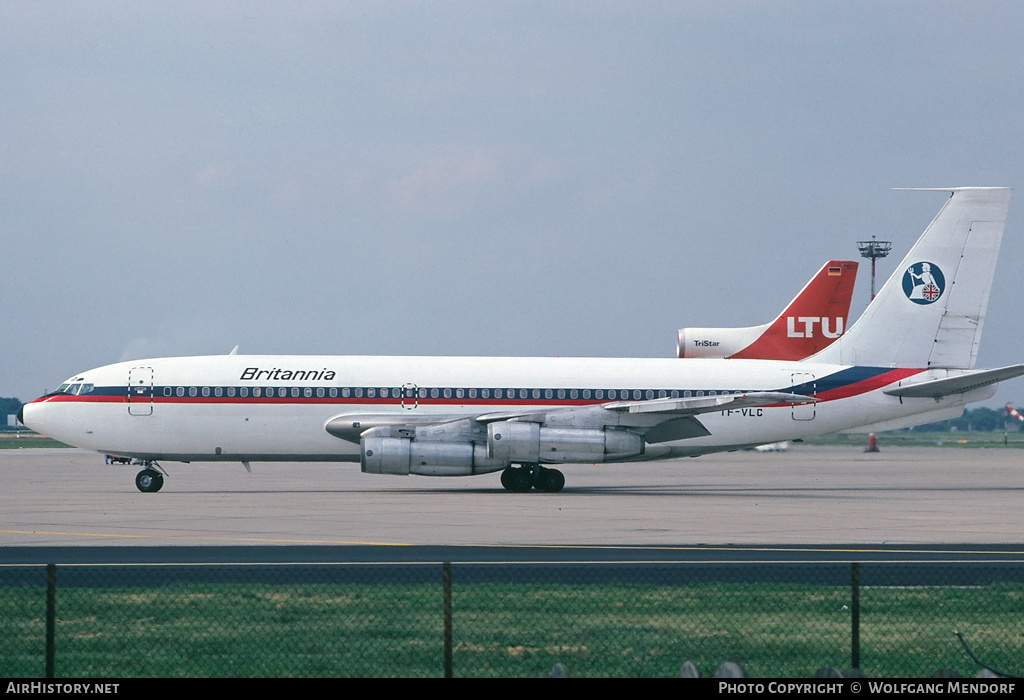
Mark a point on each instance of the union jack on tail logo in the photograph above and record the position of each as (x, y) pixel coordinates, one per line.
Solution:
(923, 283)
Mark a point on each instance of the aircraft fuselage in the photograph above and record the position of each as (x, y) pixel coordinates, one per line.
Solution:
(253, 408)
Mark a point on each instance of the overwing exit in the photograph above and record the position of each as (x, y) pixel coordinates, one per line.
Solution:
(909, 359)
(815, 318)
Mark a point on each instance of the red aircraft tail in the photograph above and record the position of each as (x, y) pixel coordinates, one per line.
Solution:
(811, 322)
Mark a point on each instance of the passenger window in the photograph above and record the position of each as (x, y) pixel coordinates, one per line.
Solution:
(206, 391)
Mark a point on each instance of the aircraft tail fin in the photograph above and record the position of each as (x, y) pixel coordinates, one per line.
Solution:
(811, 321)
(931, 311)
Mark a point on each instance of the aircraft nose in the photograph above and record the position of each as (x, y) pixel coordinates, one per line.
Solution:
(29, 409)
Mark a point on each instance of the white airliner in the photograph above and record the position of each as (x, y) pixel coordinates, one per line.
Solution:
(808, 324)
(908, 360)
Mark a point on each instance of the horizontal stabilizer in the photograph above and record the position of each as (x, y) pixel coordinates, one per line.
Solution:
(957, 385)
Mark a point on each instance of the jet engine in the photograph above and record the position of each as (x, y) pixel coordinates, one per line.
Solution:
(522, 442)
(403, 456)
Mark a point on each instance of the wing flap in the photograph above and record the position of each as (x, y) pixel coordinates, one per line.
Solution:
(682, 428)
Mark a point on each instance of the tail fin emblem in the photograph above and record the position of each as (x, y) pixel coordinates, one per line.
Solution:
(923, 283)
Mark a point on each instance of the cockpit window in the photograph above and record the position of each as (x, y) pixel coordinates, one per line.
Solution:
(76, 388)
(62, 388)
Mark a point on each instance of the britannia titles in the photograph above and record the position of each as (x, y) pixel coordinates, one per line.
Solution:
(256, 374)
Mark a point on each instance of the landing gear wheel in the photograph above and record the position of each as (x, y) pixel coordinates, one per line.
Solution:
(517, 479)
(550, 480)
(149, 480)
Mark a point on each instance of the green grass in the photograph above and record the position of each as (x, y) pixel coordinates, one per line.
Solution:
(504, 630)
(16, 440)
(917, 438)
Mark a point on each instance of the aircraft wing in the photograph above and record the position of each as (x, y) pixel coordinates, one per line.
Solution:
(708, 404)
(684, 406)
(660, 420)
(937, 388)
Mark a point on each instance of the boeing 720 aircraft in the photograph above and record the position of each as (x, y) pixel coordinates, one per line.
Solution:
(908, 360)
(809, 324)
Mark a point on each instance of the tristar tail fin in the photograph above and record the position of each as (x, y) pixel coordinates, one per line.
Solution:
(931, 311)
(813, 320)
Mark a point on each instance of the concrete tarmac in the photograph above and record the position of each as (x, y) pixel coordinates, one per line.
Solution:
(808, 495)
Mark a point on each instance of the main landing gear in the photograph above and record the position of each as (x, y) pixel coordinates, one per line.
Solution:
(150, 479)
(532, 476)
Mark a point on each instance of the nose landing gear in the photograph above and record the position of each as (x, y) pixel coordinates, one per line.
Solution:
(150, 479)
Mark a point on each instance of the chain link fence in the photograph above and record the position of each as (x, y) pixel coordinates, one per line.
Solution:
(507, 620)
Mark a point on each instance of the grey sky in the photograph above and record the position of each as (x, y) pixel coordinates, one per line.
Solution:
(551, 178)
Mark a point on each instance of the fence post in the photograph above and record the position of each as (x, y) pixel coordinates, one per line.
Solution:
(855, 615)
(446, 592)
(51, 615)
